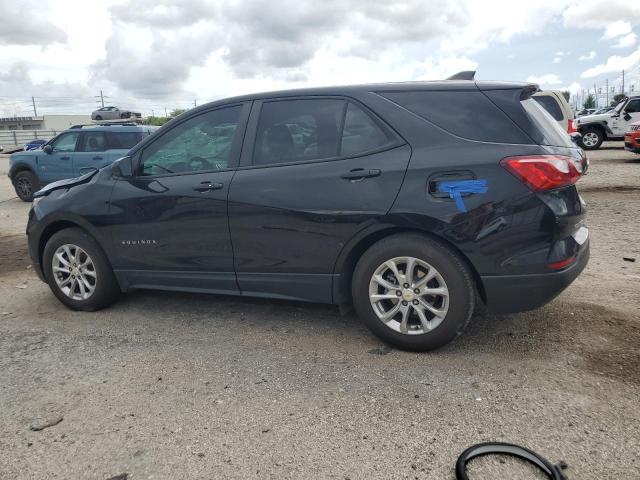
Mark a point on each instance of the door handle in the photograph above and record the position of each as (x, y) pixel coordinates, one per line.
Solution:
(360, 174)
(97, 158)
(207, 186)
(65, 158)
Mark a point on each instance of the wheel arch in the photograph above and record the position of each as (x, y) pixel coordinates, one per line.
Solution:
(353, 251)
(595, 126)
(21, 167)
(59, 224)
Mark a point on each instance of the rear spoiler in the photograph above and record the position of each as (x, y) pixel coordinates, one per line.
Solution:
(464, 75)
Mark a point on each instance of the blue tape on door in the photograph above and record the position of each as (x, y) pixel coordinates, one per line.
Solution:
(456, 188)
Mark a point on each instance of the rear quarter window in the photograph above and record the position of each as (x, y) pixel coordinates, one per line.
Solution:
(550, 131)
(467, 114)
(550, 104)
(124, 140)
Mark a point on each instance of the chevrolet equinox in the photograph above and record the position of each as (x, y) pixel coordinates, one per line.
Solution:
(413, 202)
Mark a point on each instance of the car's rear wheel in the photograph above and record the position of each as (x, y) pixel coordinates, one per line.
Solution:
(98, 117)
(25, 184)
(125, 115)
(78, 272)
(592, 138)
(413, 292)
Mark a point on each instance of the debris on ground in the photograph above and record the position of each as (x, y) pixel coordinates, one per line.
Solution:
(46, 424)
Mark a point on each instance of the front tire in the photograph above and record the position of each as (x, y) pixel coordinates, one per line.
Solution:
(25, 184)
(98, 117)
(78, 272)
(592, 139)
(413, 292)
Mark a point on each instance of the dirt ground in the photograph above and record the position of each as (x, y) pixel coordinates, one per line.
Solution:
(168, 385)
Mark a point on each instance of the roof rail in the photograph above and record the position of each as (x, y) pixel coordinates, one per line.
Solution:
(125, 123)
(464, 75)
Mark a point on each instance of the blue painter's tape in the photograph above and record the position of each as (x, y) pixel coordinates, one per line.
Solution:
(456, 188)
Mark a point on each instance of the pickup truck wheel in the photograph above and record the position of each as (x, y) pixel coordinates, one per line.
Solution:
(25, 183)
(592, 138)
(78, 272)
(413, 292)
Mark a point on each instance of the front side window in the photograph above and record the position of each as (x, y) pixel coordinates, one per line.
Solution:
(633, 106)
(199, 144)
(95, 142)
(66, 142)
(298, 130)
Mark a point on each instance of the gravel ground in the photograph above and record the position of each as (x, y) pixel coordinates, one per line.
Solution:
(168, 385)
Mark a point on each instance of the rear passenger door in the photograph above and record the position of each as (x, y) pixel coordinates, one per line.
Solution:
(90, 151)
(314, 171)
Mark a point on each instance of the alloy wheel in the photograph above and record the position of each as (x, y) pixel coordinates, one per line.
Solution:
(408, 295)
(74, 272)
(590, 139)
(24, 187)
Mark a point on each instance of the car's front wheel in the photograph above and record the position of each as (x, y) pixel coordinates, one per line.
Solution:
(25, 184)
(98, 117)
(592, 138)
(413, 292)
(78, 272)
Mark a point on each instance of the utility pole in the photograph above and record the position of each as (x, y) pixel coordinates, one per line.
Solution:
(165, 112)
(607, 104)
(101, 97)
(33, 102)
(153, 114)
(595, 94)
(194, 103)
(622, 83)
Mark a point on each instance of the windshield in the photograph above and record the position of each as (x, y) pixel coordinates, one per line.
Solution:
(619, 106)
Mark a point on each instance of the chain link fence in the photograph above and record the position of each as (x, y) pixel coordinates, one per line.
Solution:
(14, 138)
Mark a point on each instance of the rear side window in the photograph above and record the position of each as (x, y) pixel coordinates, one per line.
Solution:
(123, 140)
(360, 133)
(467, 114)
(550, 104)
(95, 142)
(549, 129)
(298, 130)
(315, 129)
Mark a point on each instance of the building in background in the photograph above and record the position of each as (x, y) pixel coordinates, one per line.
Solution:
(43, 122)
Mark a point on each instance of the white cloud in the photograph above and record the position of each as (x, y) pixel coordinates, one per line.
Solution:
(616, 29)
(600, 13)
(626, 41)
(26, 22)
(585, 58)
(614, 63)
(557, 59)
(547, 79)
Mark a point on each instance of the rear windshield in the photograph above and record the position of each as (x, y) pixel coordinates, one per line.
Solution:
(124, 140)
(551, 105)
(467, 114)
(552, 133)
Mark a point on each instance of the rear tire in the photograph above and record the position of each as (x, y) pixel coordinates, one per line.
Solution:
(448, 281)
(83, 278)
(25, 184)
(592, 139)
(98, 117)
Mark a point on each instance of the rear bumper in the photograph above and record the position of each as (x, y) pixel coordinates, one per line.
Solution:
(519, 293)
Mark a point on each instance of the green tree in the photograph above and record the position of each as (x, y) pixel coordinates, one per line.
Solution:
(590, 102)
(617, 98)
(157, 121)
(177, 111)
(567, 94)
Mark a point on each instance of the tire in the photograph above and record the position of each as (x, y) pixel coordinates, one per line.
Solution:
(105, 287)
(98, 117)
(450, 275)
(124, 115)
(25, 184)
(594, 138)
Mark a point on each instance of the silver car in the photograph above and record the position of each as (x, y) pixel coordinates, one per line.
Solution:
(113, 113)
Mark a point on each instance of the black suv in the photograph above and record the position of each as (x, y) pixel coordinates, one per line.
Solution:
(412, 202)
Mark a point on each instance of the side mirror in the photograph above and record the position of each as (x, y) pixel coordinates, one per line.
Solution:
(627, 117)
(122, 167)
(47, 149)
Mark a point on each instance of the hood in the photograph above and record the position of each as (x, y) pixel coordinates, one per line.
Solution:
(593, 118)
(21, 155)
(66, 183)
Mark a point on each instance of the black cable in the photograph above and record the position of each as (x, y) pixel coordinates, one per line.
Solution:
(554, 472)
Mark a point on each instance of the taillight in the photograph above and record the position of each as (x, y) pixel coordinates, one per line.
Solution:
(571, 128)
(544, 172)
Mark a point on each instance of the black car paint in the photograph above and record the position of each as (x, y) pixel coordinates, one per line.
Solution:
(296, 230)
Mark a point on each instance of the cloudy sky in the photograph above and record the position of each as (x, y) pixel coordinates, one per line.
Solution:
(156, 54)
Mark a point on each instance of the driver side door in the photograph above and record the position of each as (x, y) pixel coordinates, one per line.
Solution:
(629, 115)
(170, 224)
(58, 164)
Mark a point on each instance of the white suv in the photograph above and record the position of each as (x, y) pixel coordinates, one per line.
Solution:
(612, 125)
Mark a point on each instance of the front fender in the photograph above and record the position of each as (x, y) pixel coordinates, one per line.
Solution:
(598, 124)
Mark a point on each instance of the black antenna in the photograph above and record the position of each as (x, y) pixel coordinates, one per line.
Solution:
(465, 75)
